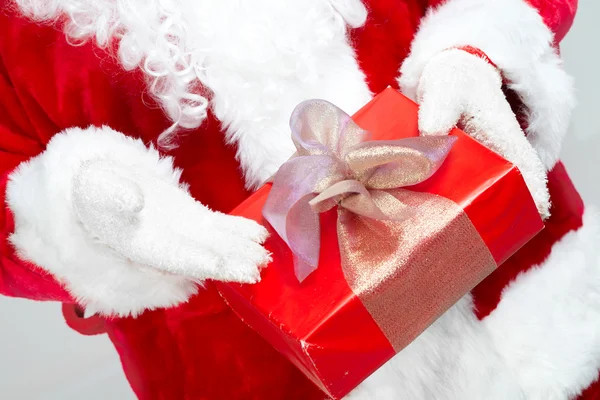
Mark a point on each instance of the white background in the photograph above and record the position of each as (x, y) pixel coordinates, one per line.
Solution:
(40, 358)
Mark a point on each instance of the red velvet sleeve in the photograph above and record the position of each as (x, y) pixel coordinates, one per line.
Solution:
(17, 144)
(46, 86)
(557, 14)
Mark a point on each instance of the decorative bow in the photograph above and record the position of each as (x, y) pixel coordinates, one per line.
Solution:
(336, 164)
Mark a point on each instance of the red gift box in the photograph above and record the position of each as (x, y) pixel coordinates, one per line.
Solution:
(320, 324)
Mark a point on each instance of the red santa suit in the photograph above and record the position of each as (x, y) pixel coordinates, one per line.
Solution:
(212, 85)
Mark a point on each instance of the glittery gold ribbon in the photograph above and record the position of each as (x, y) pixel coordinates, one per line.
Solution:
(408, 256)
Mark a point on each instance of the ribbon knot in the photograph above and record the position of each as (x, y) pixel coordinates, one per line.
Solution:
(338, 165)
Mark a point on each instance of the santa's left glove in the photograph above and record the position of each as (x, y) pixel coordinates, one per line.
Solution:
(463, 56)
(109, 218)
(460, 88)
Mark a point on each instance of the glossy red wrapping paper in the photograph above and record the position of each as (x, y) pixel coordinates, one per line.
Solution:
(320, 325)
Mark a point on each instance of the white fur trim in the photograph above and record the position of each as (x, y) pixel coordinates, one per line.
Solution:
(453, 359)
(280, 54)
(542, 342)
(514, 36)
(547, 326)
(48, 233)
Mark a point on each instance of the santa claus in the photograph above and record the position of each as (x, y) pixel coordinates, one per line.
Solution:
(129, 128)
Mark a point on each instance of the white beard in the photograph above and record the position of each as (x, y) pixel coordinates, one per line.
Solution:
(277, 55)
(280, 53)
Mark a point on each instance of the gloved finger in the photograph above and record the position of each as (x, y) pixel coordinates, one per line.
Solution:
(439, 110)
(490, 120)
(446, 84)
(239, 226)
(202, 251)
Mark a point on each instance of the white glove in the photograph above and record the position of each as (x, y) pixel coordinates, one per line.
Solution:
(456, 86)
(108, 218)
(157, 223)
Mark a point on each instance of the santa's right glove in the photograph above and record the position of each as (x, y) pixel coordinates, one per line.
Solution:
(108, 217)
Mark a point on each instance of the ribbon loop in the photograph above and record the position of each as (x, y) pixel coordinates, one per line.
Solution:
(398, 163)
(336, 165)
(319, 127)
